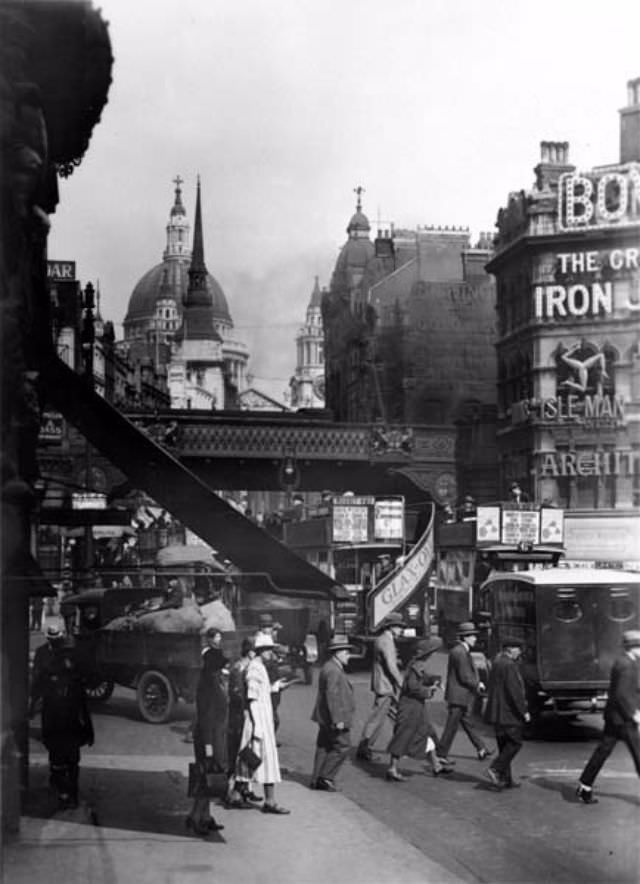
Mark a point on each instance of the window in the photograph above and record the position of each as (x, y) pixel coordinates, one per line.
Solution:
(567, 608)
(621, 604)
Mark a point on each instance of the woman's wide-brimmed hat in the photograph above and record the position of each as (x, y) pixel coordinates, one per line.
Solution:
(263, 643)
(468, 628)
(631, 638)
(427, 646)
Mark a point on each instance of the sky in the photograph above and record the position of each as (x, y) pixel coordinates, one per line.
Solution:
(435, 107)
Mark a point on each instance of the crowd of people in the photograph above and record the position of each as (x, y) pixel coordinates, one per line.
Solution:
(236, 720)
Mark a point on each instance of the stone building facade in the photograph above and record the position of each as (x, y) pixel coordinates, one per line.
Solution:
(567, 268)
(409, 322)
(307, 384)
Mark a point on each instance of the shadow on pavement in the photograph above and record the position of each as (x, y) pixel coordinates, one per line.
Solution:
(568, 791)
(153, 802)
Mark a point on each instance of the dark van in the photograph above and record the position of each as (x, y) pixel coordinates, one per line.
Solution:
(571, 621)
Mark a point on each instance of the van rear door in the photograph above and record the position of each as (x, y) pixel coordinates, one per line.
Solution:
(580, 630)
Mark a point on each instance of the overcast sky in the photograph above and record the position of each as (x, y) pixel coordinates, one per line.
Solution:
(435, 107)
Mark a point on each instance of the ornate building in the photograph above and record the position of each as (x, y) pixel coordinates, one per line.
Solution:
(155, 311)
(307, 383)
(567, 266)
(409, 324)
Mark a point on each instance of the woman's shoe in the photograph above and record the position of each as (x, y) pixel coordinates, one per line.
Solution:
(275, 808)
(394, 776)
(440, 769)
(213, 826)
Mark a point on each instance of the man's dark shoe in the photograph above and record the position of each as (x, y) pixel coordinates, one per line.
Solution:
(585, 795)
(363, 752)
(443, 759)
(323, 785)
(484, 753)
(494, 779)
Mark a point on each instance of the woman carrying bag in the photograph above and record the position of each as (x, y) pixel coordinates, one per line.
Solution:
(209, 736)
(413, 734)
(258, 756)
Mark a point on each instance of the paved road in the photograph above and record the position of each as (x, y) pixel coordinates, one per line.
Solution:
(536, 833)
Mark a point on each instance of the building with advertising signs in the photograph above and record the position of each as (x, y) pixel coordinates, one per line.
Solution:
(567, 268)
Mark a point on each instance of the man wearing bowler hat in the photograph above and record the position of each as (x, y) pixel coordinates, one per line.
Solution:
(621, 715)
(386, 681)
(463, 685)
(333, 713)
(506, 711)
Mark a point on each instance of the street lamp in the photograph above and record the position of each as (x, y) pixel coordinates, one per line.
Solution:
(87, 340)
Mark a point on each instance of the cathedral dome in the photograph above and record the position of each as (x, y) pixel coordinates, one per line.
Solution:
(154, 285)
(359, 221)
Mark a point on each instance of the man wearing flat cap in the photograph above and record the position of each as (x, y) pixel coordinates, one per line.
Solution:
(333, 713)
(621, 715)
(506, 710)
(463, 685)
(386, 681)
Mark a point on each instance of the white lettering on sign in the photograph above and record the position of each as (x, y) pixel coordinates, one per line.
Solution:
(589, 463)
(61, 271)
(599, 199)
(559, 301)
(583, 409)
(399, 585)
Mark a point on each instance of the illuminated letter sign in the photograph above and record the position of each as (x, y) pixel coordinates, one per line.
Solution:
(610, 198)
(61, 271)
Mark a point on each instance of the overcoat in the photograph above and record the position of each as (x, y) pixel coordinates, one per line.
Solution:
(462, 677)
(624, 691)
(506, 699)
(412, 722)
(335, 701)
(385, 675)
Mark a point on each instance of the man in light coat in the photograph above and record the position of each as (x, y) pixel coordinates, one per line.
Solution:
(507, 711)
(333, 713)
(621, 715)
(386, 682)
(463, 685)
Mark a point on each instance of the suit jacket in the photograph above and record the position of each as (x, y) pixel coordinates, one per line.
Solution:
(335, 701)
(624, 690)
(385, 675)
(506, 699)
(462, 677)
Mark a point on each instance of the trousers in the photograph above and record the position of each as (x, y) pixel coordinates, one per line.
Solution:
(628, 733)
(509, 739)
(375, 721)
(332, 749)
(458, 716)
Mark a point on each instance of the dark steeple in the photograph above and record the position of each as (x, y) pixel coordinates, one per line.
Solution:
(197, 317)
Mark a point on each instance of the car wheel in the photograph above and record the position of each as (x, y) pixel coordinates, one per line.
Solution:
(156, 697)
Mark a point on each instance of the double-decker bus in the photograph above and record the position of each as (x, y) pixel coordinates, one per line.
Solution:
(362, 543)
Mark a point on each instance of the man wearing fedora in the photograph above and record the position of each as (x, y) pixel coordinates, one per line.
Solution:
(333, 713)
(386, 682)
(621, 715)
(507, 711)
(463, 685)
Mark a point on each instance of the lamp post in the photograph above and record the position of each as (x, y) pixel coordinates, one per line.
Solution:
(87, 340)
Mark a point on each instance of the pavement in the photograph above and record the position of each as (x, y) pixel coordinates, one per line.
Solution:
(130, 829)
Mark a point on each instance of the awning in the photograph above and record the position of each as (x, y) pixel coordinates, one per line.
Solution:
(188, 498)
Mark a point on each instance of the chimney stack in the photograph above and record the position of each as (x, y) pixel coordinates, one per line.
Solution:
(630, 124)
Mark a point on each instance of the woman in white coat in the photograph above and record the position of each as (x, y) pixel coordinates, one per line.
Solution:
(258, 731)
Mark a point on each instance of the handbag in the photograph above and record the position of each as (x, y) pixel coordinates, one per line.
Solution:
(251, 759)
(203, 785)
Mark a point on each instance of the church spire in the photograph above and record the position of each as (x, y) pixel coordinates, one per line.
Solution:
(178, 208)
(197, 317)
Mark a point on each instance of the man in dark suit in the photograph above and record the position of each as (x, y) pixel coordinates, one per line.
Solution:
(463, 685)
(506, 711)
(621, 715)
(333, 712)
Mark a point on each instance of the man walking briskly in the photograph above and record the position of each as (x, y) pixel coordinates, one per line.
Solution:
(333, 713)
(621, 715)
(507, 711)
(386, 682)
(463, 686)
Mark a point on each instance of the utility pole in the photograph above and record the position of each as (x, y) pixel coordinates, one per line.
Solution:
(87, 338)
